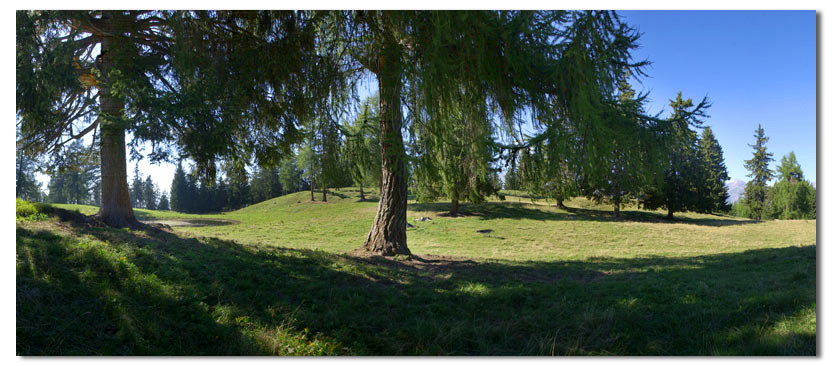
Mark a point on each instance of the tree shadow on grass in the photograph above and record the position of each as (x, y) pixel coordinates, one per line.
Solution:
(149, 291)
(512, 210)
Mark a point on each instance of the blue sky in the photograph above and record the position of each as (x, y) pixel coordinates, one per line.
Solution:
(755, 67)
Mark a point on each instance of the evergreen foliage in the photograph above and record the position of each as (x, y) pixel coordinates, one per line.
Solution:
(74, 176)
(755, 194)
(628, 150)
(26, 185)
(137, 189)
(150, 193)
(362, 149)
(265, 184)
(791, 197)
(711, 187)
(179, 190)
(215, 85)
(453, 158)
(290, 176)
(164, 205)
(678, 190)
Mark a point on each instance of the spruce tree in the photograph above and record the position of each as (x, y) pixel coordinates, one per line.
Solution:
(149, 193)
(755, 194)
(179, 190)
(677, 192)
(163, 202)
(74, 174)
(26, 185)
(137, 189)
(713, 194)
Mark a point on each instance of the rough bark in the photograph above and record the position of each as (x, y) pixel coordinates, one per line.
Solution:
(387, 234)
(115, 207)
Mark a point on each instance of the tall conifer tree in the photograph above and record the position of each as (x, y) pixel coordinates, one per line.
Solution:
(755, 193)
(714, 194)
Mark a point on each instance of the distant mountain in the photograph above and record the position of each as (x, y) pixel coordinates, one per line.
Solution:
(735, 188)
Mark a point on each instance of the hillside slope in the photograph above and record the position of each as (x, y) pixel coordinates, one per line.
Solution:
(85, 289)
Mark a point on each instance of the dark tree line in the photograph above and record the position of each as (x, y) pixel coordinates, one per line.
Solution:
(236, 189)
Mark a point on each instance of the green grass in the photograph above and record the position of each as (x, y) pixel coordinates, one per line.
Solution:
(544, 281)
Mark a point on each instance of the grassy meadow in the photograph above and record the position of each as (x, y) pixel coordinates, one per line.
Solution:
(511, 277)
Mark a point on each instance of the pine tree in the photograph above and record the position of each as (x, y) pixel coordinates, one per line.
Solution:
(179, 190)
(265, 184)
(713, 194)
(163, 202)
(137, 189)
(238, 188)
(677, 192)
(74, 174)
(149, 193)
(755, 194)
(791, 197)
(26, 185)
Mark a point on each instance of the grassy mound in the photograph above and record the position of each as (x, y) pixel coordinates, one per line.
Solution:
(84, 289)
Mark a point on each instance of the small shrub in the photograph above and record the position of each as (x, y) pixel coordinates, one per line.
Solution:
(29, 211)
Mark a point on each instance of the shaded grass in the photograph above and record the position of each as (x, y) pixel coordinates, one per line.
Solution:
(84, 290)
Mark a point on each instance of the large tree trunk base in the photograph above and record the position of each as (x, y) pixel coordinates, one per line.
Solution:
(118, 221)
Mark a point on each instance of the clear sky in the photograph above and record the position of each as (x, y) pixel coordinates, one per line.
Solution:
(756, 67)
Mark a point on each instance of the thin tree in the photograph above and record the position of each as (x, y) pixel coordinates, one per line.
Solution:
(755, 193)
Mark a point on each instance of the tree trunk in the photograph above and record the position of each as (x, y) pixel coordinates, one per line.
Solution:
(311, 186)
(616, 207)
(115, 207)
(361, 192)
(387, 234)
(324, 192)
(455, 205)
(559, 202)
(670, 214)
